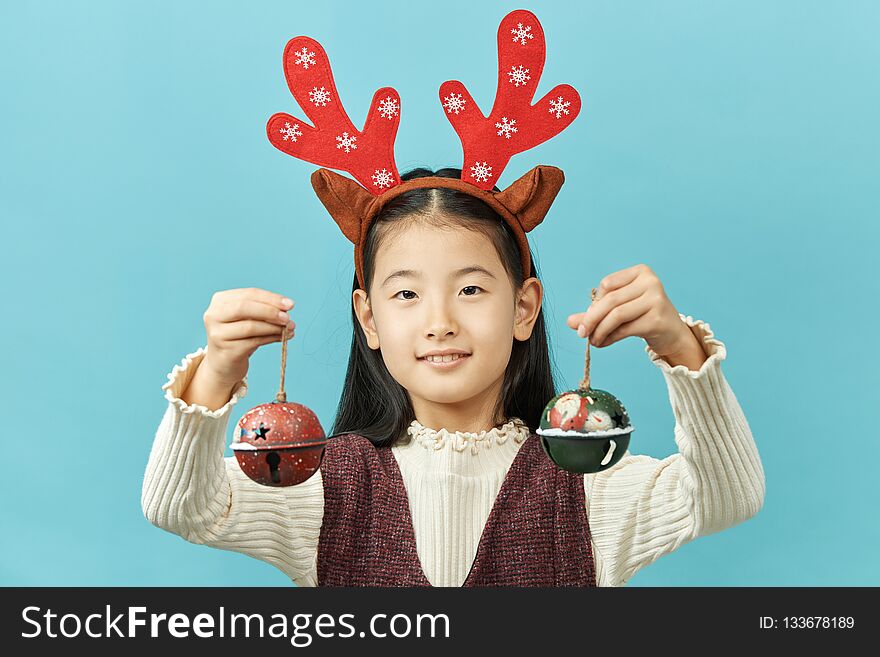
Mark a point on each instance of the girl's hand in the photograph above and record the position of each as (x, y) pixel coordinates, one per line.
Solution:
(632, 302)
(239, 321)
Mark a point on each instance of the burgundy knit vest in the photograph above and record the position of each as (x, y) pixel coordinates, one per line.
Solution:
(537, 533)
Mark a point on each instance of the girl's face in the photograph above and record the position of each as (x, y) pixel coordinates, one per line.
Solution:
(440, 288)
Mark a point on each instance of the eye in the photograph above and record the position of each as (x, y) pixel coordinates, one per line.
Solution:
(469, 287)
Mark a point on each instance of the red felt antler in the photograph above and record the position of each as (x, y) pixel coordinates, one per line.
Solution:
(334, 142)
(514, 125)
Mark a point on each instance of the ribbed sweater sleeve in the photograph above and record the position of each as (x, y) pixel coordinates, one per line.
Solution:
(643, 508)
(190, 489)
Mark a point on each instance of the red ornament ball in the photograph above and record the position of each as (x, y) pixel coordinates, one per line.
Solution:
(279, 443)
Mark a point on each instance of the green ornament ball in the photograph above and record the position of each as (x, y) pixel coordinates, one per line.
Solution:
(585, 430)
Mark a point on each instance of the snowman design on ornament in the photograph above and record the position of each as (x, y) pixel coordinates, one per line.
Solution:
(571, 412)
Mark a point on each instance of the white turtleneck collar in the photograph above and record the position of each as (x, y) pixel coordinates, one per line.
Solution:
(464, 453)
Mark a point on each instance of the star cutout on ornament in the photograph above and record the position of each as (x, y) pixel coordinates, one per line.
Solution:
(619, 419)
(261, 432)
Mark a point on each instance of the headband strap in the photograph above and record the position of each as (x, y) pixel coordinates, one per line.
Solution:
(522, 206)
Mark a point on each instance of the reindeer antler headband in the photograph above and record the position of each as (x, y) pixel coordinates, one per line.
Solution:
(513, 126)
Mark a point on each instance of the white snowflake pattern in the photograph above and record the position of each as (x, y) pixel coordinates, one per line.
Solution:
(507, 127)
(319, 96)
(559, 107)
(389, 108)
(346, 142)
(519, 75)
(383, 178)
(291, 132)
(481, 171)
(522, 33)
(453, 103)
(304, 58)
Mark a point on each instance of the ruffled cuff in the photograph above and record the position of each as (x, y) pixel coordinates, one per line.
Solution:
(180, 377)
(713, 347)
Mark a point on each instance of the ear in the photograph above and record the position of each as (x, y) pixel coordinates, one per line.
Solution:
(345, 199)
(530, 197)
(528, 305)
(364, 312)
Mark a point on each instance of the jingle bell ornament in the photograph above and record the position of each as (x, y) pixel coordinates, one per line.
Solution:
(280, 443)
(585, 430)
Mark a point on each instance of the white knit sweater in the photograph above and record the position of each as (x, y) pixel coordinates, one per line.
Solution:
(638, 510)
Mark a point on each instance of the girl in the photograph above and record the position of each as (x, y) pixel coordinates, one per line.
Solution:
(436, 476)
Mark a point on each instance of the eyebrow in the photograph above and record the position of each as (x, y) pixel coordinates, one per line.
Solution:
(412, 273)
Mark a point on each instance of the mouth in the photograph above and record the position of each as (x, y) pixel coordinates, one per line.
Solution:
(444, 362)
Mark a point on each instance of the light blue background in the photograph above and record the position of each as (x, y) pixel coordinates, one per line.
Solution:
(731, 146)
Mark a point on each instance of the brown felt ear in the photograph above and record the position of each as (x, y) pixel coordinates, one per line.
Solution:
(531, 196)
(345, 199)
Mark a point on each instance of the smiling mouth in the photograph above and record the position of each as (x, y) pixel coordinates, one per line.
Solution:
(444, 360)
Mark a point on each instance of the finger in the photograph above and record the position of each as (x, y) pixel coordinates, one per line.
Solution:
(608, 284)
(253, 343)
(247, 308)
(598, 310)
(637, 326)
(617, 316)
(247, 328)
(617, 280)
(265, 296)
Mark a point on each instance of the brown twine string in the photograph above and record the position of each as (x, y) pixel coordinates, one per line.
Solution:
(585, 382)
(281, 395)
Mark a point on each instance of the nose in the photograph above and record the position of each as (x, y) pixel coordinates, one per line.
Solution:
(440, 321)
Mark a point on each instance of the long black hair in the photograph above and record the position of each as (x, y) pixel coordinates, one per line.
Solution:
(373, 404)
